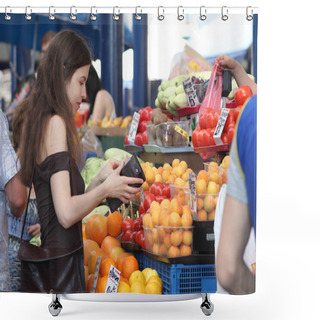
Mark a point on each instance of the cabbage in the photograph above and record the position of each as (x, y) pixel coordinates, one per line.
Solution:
(91, 169)
(36, 241)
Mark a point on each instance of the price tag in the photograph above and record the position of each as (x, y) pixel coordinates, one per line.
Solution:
(95, 277)
(181, 131)
(134, 127)
(141, 196)
(113, 280)
(190, 92)
(219, 129)
(193, 194)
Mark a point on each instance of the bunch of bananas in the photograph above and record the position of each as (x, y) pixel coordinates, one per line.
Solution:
(171, 95)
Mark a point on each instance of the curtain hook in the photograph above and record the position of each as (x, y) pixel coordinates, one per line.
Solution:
(138, 17)
(28, 13)
(6, 10)
(116, 16)
(180, 15)
(249, 16)
(73, 15)
(51, 15)
(203, 12)
(93, 17)
(224, 13)
(160, 16)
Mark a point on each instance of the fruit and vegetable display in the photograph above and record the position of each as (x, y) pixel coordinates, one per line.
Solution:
(162, 223)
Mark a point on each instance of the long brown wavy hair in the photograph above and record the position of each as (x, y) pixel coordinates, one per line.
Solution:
(67, 52)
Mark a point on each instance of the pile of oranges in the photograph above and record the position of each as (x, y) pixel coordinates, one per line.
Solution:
(99, 240)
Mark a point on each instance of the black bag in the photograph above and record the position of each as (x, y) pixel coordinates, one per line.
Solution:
(131, 169)
(50, 270)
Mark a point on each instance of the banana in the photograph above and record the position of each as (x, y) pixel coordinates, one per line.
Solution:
(181, 100)
(170, 102)
(157, 103)
(169, 91)
(170, 110)
(179, 89)
(160, 100)
(164, 85)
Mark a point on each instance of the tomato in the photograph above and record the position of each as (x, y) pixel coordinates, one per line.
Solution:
(148, 198)
(138, 139)
(224, 138)
(209, 119)
(145, 137)
(137, 224)
(194, 137)
(126, 141)
(127, 224)
(230, 119)
(211, 140)
(156, 188)
(141, 209)
(134, 233)
(215, 120)
(236, 112)
(230, 134)
(144, 114)
(203, 120)
(200, 140)
(142, 126)
(166, 192)
(127, 236)
(205, 137)
(140, 237)
(242, 94)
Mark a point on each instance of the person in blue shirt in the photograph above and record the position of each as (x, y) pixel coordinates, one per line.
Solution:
(239, 215)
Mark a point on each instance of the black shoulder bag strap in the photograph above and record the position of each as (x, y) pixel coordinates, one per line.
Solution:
(26, 209)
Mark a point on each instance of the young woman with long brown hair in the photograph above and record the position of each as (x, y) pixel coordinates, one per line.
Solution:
(50, 151)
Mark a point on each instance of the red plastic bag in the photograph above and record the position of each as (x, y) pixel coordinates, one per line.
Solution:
(212, 99)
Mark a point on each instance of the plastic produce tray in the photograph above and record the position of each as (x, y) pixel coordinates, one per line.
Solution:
(184, 279)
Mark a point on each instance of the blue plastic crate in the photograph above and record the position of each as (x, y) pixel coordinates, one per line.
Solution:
(184, 279)
(139, 255)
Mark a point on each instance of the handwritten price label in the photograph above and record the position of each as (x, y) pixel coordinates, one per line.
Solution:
(219, 129)
(190, 92)
(134, 127)
(113, 280)
(193, 194)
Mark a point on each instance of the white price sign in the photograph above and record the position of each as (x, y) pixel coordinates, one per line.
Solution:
(134, 127)
(95, 277)
(113, 280)
(193, 194)
(190, 92)
(219, 129)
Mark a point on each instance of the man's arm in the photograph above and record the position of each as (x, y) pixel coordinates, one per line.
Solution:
(232, 273)
(17, 195)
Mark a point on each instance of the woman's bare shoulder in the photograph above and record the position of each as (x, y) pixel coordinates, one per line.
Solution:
(56, 135)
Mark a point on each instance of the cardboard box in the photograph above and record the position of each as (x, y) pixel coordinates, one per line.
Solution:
(112, 131)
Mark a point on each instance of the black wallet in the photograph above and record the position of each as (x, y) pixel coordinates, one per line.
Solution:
(131, 169)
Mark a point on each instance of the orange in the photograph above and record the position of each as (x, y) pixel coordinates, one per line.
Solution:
(89, 282)
(149, 175)
(121, 258)
(175, 163)
(84, 232)
(176, 206)
(96, 228)
(129, 265)
(201, 186)
(105, 265)
(88, 246)
(92, 260)
(202, 215)
(124, 280)
(115, 253)
(101, 284)
(185, 250)
(86, 273)
(114, 223)
(203, 175)
(109, 243)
